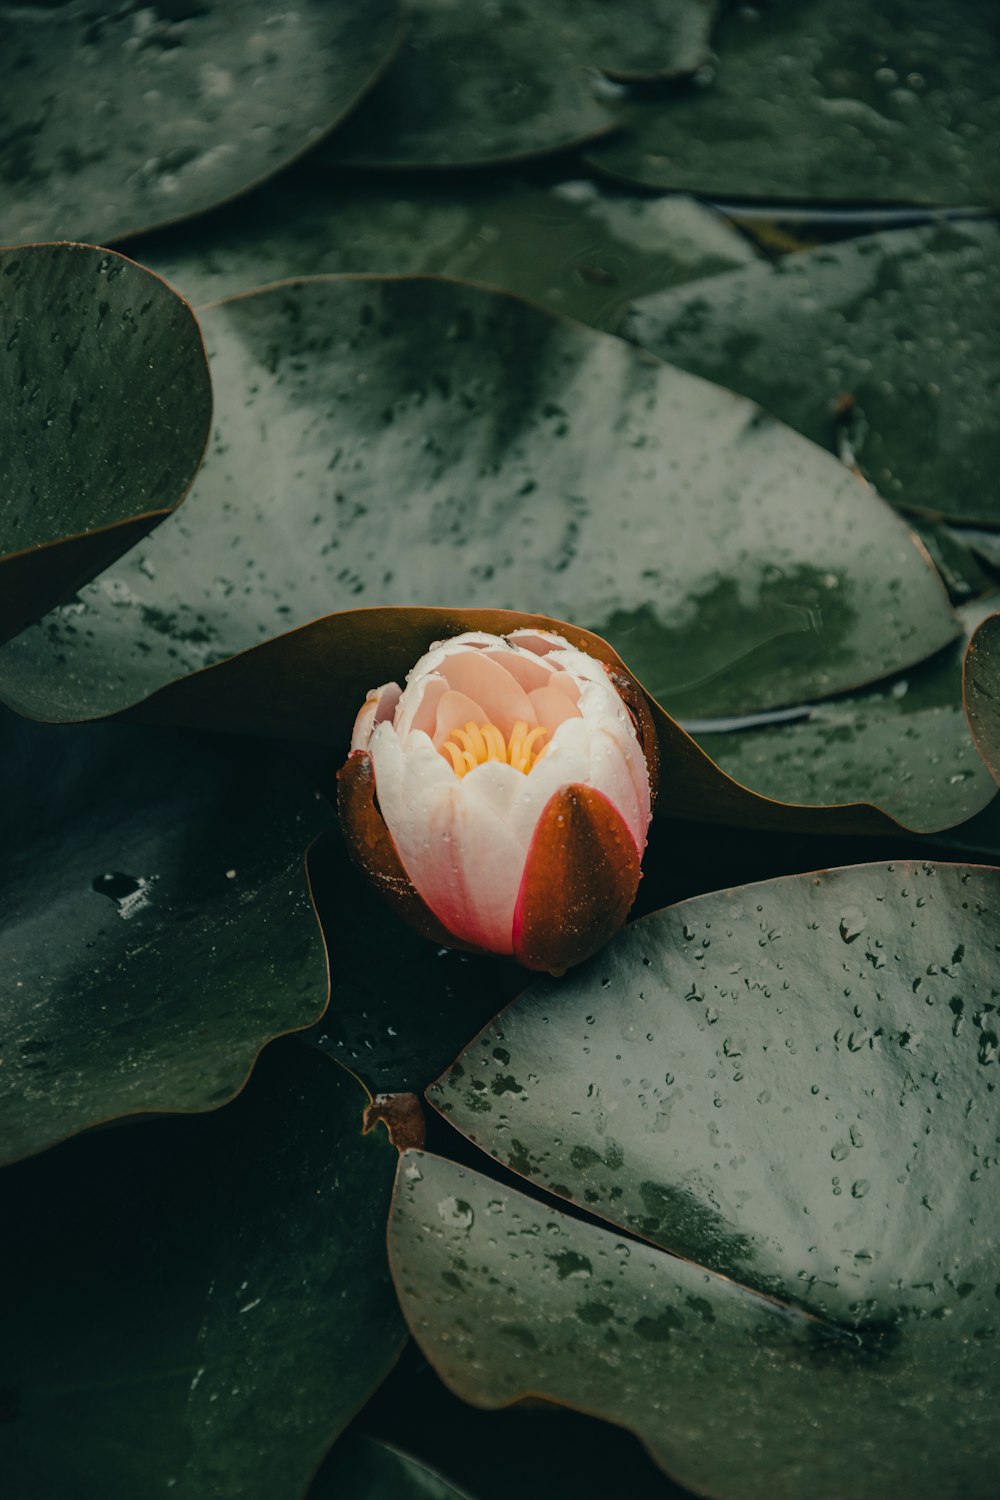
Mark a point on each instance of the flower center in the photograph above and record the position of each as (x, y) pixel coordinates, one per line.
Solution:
(478, 743)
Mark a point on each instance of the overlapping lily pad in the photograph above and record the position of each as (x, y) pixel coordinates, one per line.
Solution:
(510, 1297)
(829, 100)
(479, 83)
(904, 746)
(105, 407)
(157, 927)
(573, 247)
(981, 681)
(789, 1085)
(542, 461)
(895, 332)
(200, 1309)
(117, 118)
(792, 1083)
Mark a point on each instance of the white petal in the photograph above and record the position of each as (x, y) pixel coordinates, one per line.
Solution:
(379, 704)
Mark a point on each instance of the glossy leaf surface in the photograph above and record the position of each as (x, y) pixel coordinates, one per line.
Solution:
(574, 248)
(521, 438)
(509, 1297)
(105, 407)
(793, 1083)
(886, 101)
(903, 745)
(117, 119)
(981, 680)
(895, 331)
(200, 1309)
(481, 83)
(157, 926)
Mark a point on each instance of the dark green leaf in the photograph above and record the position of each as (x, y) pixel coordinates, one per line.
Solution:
(157, 928)
(201, 1305)
(120, 117)
(981, 683)
(105, 406)
(735, 1395)
(497, 82)
(882, 347)
(572, 247)
(904, 746)
(365, 1469)
(420, 440)
(793, 1083)
(536, 1453)
(889, 101)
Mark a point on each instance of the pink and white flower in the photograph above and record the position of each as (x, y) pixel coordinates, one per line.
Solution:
(514, 792)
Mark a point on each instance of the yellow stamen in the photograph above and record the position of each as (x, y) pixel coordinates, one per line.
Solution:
(478, 743)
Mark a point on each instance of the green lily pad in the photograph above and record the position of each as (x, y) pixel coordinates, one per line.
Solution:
(117, 119)
(981, 683)
(202, 1305)
(887, 101)
(105, 407)
(508, 1297)
(370, 1470)
(500, 82)
(157, 926)
(880, 346)
(524, 440)
(904, 745)
(572, 247)
(791, 1083)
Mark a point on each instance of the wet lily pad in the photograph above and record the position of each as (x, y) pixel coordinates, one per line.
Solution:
(981, 682)
(573, 247)
(829, 100)
(904, 746)
(523, 439)
(508, 1297)
(895, 332)
(791, 1083)
(115, 119)
(499, 82)
(202, 1305)
(105, 407)
(157, 927)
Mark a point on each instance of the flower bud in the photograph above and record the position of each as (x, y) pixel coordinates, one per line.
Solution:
(501, 801)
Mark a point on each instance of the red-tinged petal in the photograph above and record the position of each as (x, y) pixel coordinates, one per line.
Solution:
(373, 851)
(580, 880)
(637, 703)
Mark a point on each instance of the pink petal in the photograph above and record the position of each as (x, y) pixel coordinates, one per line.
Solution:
(453, 711)
(504, 701)
(529, 670)
(552, 707)
(540, 642)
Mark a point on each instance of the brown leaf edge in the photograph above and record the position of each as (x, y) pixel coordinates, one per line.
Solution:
(309, 683)
(35, 579)
(986, 639)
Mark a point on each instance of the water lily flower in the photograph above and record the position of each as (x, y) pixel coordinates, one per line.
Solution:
(501, 800)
